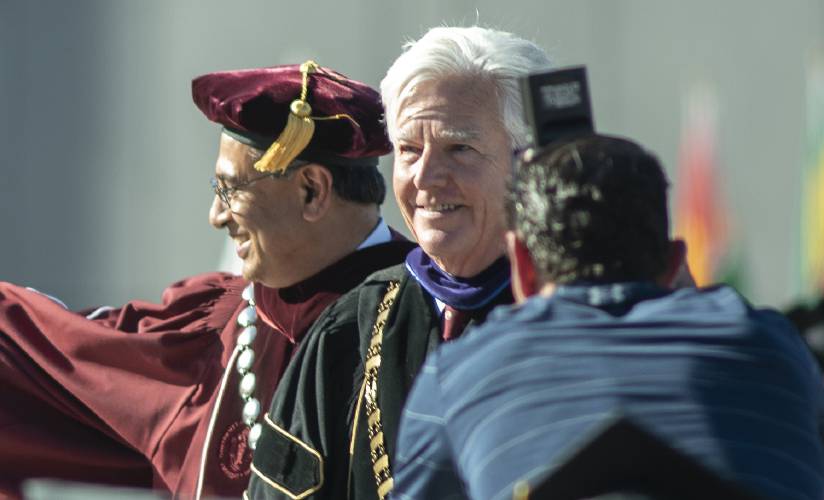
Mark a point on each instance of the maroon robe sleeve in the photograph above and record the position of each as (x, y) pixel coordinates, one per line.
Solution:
(90, 399)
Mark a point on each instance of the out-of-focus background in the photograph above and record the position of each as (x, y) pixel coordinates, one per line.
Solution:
(104, 160)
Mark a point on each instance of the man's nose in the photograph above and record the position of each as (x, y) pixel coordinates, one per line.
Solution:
(219, 213)
(432, 171)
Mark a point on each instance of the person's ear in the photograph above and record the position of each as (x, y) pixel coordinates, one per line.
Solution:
(677, 273)
(524, 275)
(315, 184)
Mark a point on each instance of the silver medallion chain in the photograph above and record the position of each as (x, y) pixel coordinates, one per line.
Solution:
(246, 358)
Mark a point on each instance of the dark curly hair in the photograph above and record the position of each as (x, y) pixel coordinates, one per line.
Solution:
(358, 184)
(591, 209)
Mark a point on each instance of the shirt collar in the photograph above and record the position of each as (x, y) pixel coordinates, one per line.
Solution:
(605, 295)
(378, 235)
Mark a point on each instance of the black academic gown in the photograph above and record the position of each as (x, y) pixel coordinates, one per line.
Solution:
(308, 448)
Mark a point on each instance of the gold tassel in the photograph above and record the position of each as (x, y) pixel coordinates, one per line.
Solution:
(299, 129)
(294, 138)
(296, 134)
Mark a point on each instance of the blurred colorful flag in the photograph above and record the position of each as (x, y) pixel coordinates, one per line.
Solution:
(700, 218)
(812, 202)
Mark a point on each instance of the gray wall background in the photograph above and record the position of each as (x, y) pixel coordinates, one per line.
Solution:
(104, 160)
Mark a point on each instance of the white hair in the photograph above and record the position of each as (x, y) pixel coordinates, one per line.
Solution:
(497, 56)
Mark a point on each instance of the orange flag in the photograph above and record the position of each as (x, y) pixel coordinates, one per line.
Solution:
(699, 217)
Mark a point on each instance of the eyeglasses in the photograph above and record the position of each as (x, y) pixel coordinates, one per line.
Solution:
(226, 193)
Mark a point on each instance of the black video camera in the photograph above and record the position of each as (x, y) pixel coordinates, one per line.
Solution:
(556, 104)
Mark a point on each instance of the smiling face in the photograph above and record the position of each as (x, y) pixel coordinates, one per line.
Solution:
(452, 159)
(264, 218)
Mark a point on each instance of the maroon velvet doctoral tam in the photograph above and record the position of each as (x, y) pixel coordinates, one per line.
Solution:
(255, 103)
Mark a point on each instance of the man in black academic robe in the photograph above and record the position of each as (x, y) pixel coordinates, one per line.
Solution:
(332, 426)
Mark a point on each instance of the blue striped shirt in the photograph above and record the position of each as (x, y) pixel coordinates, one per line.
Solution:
(730, 386)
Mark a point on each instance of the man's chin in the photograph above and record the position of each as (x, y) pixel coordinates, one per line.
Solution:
(250, 272)
(462, 262)
(271, 280)
(449, 261)
(440, 243)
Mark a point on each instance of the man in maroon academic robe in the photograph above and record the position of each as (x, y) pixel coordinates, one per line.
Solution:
(169, 395)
